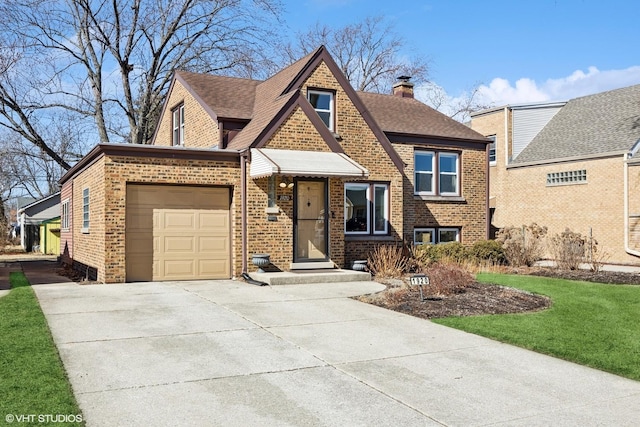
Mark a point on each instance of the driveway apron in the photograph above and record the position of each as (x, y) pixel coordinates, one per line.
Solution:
(208, 353)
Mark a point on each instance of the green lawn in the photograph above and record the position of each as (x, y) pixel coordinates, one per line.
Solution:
(592, 324)
(33, 382)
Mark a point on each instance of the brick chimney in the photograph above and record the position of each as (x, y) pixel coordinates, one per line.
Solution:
(403, 87)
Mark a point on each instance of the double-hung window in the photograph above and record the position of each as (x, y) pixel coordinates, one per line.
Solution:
(178, 125)
(366, 208)
(436, 173)
(322, 102)
(432, 236)
(85, 210)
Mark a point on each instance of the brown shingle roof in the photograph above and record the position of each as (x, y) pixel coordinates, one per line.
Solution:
(228, 97)
(261, 101)
(410, 116)
(269, 99)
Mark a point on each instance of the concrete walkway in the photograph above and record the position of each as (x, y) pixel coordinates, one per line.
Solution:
(219, 353)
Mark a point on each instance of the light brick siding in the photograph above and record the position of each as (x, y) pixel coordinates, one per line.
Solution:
(597, 205)
(89, 247)
(634, 206)
(200, 130)
(469, 215)
(493, 124)
(104, 247)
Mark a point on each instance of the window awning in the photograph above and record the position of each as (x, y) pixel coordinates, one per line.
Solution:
(269, 161)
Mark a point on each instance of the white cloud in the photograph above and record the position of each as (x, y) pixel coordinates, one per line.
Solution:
(579, 83)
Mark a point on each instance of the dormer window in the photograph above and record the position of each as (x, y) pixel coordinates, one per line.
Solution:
(178, 125)
(322, 102)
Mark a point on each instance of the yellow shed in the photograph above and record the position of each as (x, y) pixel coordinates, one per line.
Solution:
(50, 236)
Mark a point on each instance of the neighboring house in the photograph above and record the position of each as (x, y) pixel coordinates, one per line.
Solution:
(299, 166)
(30, 218)
(569, 165)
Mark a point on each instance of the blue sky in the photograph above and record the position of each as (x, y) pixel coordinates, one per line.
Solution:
(520, 51)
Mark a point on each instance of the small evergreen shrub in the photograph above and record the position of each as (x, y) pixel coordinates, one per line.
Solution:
(490, 251)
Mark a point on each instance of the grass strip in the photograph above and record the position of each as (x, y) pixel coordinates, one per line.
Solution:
(34, 389)
(592, 324)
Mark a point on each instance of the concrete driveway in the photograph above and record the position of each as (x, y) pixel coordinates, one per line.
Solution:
(227, 353)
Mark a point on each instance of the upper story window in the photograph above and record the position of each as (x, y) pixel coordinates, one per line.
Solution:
(85, 210)
(322, 102)
(492, 150)
(436, 173)
(366, 208)
(178, 125)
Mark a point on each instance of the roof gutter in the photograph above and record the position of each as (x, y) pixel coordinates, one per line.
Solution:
(627, 248)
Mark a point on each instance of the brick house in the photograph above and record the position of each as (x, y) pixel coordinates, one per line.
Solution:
(569, 165)
(299, 166)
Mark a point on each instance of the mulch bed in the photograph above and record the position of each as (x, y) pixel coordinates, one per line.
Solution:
(473, 299)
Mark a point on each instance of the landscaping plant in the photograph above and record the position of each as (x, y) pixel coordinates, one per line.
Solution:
(388, 261)
(568, 249)
(523, 245)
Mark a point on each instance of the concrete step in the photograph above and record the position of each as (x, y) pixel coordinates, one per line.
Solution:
(299, 277)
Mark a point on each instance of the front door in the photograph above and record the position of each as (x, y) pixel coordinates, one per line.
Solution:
(310, 221)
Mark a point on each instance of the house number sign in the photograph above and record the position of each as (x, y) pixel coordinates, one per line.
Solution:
(284, 197)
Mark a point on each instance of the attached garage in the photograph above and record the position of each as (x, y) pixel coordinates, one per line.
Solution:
(176, 232)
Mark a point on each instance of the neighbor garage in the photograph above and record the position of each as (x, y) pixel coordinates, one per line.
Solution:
(177, 232)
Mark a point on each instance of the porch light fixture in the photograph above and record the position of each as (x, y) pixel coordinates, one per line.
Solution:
(286, 183)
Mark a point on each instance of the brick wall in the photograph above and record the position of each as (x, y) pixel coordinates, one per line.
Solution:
(597, 205)
(200, 130)
(469, 214)
(360, 144)
(103, 248)
(89, 246)
(493, 124)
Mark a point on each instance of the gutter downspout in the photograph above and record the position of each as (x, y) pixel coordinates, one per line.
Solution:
(243, 209)
(506, 136)
(487, 209)
(626, 208)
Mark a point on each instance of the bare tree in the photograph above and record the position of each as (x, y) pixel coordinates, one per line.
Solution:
(459, 107)
(111, 61)
(370, 53)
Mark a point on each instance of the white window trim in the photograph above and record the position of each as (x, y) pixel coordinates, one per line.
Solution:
(495, 150)
(385, 211)
(331, 109)
(64, 214)
(456, 174)
(435, 233)
(423, 230)
(366, 187)
(416, 172)
(86, 210)
(177, 126)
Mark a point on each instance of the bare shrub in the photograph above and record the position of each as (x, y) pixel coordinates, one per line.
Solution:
(388, 261)
(524, 245)
(595, 256)
(448, 279)
(568, 249)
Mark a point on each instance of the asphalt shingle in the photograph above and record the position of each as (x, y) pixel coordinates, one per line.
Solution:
(606, 122)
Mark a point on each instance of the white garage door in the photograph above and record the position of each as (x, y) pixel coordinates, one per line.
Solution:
(177, 233)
